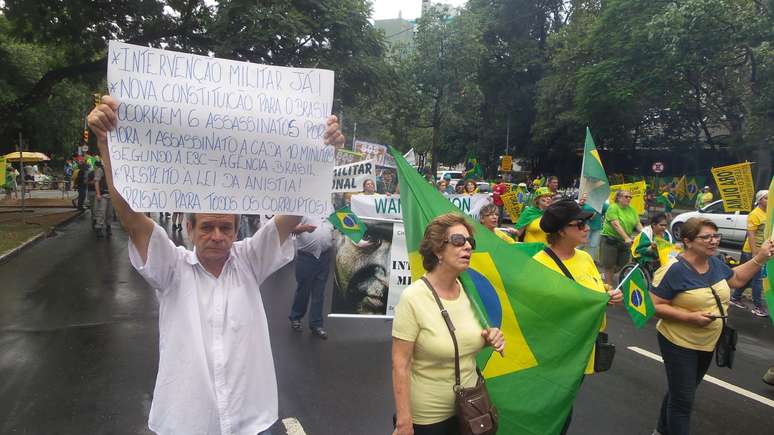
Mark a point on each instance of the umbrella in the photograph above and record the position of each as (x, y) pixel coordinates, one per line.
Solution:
(28, 156)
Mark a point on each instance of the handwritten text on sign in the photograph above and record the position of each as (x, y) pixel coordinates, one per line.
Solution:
(200, 134)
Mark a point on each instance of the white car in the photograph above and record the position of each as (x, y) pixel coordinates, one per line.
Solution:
(733, 226)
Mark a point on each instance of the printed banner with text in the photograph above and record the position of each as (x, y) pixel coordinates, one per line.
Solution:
(350, 178)
(201, 134)
(736, 187)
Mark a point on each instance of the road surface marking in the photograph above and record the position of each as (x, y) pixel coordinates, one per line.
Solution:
(293, 427)
(712, 380)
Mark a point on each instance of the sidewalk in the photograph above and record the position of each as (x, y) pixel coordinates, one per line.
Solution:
(45, 211)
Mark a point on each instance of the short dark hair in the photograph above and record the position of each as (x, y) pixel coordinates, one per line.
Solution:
(692, 227)
(658, 217)
(435, 237)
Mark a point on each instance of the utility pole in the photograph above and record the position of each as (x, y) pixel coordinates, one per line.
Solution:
(354, 135)
(508, 135)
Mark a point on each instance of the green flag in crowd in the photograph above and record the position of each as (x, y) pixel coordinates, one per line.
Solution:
(593, 179)
(768, 270)
(637, 299)
(348, 223)
(473, 169)
(549, 322)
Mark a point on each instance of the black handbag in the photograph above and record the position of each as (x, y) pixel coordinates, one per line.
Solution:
(604, 351)
(725, 348)
(475, 412)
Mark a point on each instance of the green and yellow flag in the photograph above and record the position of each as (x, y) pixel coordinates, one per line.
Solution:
(768, 270)
(473, 168)
(348, 223)
(593, 181)
(637, 297)
(549, 322)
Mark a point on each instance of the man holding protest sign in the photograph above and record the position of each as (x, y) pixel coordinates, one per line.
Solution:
(216, 372)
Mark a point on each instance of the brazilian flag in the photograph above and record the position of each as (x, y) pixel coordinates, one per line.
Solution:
(637, 297)
(348, 223)
(473, 169)
(549, 321)
(768, 269)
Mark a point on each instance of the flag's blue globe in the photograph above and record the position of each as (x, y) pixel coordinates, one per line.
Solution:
(637, 298)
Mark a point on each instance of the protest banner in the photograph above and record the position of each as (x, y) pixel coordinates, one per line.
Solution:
(388, 207)
(736, 187)
(637, 189)
(375, 151)
(2, 171)
(350, 178)
(201, 134)
(370, 275)
(512, 205)
(345, 157)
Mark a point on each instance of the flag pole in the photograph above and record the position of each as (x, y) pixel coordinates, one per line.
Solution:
(636, 266)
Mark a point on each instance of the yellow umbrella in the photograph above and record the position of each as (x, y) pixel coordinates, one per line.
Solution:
(28, 156)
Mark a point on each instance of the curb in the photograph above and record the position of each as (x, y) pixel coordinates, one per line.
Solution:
(36, 238)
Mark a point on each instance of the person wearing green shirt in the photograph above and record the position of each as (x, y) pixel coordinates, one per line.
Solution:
(644, 247)
(667, 200)
(621, 220)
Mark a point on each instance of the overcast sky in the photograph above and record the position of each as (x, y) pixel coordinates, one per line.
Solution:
(384, 9)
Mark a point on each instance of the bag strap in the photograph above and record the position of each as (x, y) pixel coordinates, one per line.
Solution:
(550, 252)
(449, 325)
(712, 289)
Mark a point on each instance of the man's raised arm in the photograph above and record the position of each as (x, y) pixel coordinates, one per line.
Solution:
(102, 120)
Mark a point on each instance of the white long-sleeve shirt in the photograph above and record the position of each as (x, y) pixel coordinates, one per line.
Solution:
(216, 371)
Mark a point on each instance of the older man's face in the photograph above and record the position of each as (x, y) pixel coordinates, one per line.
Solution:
(213, 235)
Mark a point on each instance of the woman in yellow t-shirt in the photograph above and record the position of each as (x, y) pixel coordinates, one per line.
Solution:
(422, 347)
(528, 224)
(567, 227)
(756, 223)
(691, 322)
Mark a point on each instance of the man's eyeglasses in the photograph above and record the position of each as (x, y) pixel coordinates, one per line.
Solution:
(579, 224)
(708, 237)
(626, 196)
(459, 240)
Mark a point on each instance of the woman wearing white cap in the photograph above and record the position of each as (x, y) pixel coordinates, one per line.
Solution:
(756, 221)
(703, 198)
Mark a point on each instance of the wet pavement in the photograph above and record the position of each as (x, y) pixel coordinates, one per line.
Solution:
(79, 352)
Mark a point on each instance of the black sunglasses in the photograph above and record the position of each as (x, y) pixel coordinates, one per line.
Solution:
(580, 224)
(459, 240)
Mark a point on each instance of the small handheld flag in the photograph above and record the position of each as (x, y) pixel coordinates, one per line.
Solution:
(348, 223)
(637, 297)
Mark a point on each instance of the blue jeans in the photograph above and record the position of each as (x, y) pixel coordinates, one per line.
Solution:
(311, 276)
(756, 283)
(685, 368)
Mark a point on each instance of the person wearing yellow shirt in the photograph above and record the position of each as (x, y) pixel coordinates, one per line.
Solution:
(489, 217)
(528, 225)
(703, 198)
(756, 222)
(567, 226)
(423, 353)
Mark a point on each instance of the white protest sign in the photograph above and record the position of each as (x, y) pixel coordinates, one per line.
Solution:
(350, 178)
(388, 207)
(400, 274)
(201, 134)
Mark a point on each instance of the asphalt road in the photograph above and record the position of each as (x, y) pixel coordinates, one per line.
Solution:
(79, 351)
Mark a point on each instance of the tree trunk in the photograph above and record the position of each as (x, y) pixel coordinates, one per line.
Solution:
(436, 133)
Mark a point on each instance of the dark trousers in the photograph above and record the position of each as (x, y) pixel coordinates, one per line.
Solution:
(311, 275)
(685, 369)
(81, 196)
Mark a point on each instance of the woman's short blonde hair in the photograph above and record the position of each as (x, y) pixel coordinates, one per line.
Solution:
(435, 237)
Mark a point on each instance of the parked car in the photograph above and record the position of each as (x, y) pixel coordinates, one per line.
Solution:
(733, 226)
(483, 187)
